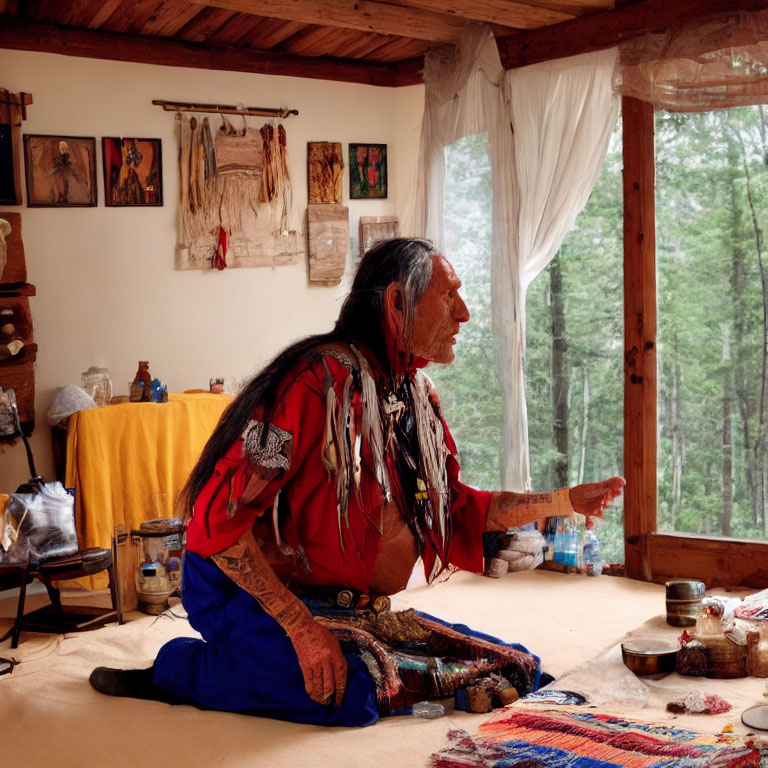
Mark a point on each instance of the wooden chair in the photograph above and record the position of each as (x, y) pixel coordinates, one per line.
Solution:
(57, 617)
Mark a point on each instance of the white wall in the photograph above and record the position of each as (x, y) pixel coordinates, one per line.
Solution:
(107, 291)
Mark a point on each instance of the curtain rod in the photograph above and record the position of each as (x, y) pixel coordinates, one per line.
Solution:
(225, 109)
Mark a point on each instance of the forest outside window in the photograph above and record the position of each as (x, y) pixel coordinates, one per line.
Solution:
(712, 289)
(573, 361)
(574, 340)
(469, 389)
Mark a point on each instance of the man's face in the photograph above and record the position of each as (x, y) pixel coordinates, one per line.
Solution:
(439, 314)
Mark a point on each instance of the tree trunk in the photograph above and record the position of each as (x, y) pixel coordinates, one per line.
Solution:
(741, 380)
(726, 483)
(759, 452)
(560, 379)
(584, 427)
(677, 436)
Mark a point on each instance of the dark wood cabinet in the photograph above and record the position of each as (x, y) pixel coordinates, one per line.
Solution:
(18, 350)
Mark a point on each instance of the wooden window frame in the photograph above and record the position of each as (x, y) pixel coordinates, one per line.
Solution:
(652, 556)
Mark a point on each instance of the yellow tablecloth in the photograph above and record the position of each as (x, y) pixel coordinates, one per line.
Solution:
(128, 462)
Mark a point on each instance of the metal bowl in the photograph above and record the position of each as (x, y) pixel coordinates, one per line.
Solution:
(648, 658)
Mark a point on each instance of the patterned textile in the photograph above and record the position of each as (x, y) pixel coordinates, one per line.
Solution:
(433, 666)
(533, 737)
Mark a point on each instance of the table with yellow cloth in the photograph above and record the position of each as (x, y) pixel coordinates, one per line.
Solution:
(128, 462)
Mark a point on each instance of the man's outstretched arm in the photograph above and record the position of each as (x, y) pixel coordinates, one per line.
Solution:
(512, 510)
(317, 650)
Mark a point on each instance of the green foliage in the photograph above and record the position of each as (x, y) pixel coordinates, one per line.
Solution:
(711, 342)
(591, 263)
(712, 204)
(469, 388)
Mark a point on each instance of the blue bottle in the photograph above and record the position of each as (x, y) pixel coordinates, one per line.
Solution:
(593, 562)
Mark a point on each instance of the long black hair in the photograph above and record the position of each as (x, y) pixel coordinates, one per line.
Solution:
(407, 261)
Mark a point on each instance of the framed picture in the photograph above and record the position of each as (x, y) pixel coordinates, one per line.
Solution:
(60, 170)
(325, 163)
(374, 229)
(133, 173)
(367, 171)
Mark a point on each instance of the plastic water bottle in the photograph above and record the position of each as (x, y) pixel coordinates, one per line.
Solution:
(566, 542)
(429, 710)
(593, 563)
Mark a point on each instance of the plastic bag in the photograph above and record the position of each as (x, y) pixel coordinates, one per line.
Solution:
(69, 400)
(39, 525)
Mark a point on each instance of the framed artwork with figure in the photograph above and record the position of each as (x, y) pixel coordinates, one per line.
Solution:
(133, 173)
(367, 171)
(60, 171)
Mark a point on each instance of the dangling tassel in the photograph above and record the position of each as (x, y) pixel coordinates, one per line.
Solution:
(286, 549)
(373, 431)
(328, 451)
(433, 452)
(220, 255)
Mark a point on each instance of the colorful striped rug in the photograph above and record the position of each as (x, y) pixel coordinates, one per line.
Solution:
(536, 737)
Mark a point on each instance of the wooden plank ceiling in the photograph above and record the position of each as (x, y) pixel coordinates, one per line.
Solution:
(370, 41)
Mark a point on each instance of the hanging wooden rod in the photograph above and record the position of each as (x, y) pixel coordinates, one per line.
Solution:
(224, 109)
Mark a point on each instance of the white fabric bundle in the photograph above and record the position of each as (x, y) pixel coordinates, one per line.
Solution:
(524, 551)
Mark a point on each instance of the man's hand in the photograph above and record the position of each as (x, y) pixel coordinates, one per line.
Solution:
(321, 660)
(591, 499)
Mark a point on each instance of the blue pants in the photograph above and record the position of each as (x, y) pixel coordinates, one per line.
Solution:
(246, 663)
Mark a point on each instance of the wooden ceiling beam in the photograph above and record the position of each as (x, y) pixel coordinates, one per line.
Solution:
(234, 30)
(204, 25)
(98, 15)
(310, 41)
(270, 33)
(362, 46)
(409, 71)
(47, 38)
(169, 19)
(129, 17)
(396, 50)
(363, 15)
(506, 13)
(608, 28)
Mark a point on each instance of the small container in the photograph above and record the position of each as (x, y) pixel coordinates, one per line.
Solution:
(593, 561)
(158, 549)
(139, 388)
(757, 652)
(649, 658)
(567, 542)
(727, 660)
(428, 710)
(497, 567)
(97, 383)
(684, 601)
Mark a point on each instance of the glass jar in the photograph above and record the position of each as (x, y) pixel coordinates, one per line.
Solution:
(97, 383)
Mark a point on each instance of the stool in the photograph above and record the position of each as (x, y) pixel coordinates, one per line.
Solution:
(55, 617)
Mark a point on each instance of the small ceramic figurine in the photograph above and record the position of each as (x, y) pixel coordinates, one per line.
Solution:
(216, 386)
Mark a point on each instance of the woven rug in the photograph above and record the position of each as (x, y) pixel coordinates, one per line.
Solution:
(535, 737)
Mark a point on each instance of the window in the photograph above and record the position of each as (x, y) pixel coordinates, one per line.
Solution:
(469, 388)
(589, 269)
(712, 287)
(574, 354)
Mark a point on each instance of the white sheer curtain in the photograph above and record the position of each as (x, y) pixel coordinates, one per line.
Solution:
(548, 127)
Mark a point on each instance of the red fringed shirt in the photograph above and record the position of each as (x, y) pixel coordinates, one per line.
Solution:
(241, 491)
